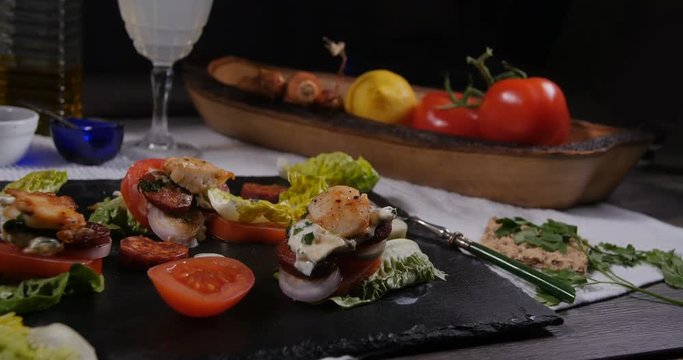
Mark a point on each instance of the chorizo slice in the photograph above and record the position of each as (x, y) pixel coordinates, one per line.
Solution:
(262, 192)
(91, 235)
(141, 253)
(163, 194)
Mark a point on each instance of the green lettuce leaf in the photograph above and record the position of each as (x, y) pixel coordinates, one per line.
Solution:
(403, 265)
(302, 189)
(112, 213)
(235, 208)
(338, 168)
(39, 294)
(43, 181)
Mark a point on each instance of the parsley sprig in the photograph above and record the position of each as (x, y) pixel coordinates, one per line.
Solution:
(601, 257)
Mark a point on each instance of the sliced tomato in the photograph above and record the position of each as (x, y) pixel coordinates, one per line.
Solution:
(227, 230)
(201, 287)
(135, 201)
(354, 270)
(14, 264)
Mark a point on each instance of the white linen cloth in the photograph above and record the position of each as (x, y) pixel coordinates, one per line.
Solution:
(597, 223)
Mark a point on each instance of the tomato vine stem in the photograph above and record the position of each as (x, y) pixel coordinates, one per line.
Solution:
(464, 101)
(510, 72)
(479, 63)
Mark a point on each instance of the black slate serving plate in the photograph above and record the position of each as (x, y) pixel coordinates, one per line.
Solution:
(129, 320)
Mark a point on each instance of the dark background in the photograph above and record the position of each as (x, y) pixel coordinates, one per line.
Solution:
(619, 62)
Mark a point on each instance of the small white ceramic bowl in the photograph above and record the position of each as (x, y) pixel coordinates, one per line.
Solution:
(17, 126)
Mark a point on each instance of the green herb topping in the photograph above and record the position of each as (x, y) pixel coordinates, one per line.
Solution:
(308, 238)
(150, 185)
(551, 236)
(297, 230)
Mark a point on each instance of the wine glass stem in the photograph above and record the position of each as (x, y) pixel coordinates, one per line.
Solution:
(162, 81)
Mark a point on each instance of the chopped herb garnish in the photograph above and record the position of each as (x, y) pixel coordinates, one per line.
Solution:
(510, 226)
(17, 226)
(308, 238)
(14, 225)
(551, 236)
(297, 230)
(150, 186)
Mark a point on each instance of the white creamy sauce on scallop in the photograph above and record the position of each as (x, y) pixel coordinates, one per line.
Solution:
(386, 213)
(378, 216)
(312, 243)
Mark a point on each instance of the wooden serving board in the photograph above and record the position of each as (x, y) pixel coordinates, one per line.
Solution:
(584, 170)
(129, 320)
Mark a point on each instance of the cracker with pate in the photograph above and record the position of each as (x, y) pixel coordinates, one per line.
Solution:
(573, 258)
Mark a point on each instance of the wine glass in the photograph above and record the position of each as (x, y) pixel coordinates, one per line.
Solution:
(163, 31)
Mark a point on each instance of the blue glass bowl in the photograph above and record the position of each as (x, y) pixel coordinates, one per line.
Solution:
(92, 143)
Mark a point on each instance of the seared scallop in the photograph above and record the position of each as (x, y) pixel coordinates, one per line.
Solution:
(195, 175)
(44, 210)
(341, 210)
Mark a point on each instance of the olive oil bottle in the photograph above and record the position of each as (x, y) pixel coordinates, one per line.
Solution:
(40, 55)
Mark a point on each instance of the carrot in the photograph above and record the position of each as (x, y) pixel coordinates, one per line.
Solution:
(303, 88)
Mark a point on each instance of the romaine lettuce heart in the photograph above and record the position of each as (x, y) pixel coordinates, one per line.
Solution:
(235, 208)
(338, 168)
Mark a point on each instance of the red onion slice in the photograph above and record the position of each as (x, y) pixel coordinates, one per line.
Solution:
(169, 228)
(94, 252)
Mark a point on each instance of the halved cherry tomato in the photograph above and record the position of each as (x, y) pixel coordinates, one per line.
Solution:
(201, 287)
(227, 230)
(135, 201)
(525, 111)
(460, 121)
(14, 264)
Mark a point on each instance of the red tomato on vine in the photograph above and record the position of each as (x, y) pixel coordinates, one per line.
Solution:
(436, 113)
(514, 109)
(527, 111)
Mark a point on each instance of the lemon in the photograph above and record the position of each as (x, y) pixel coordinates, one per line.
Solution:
(381, 95)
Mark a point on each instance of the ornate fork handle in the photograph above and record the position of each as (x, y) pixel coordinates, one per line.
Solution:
(454, 238)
